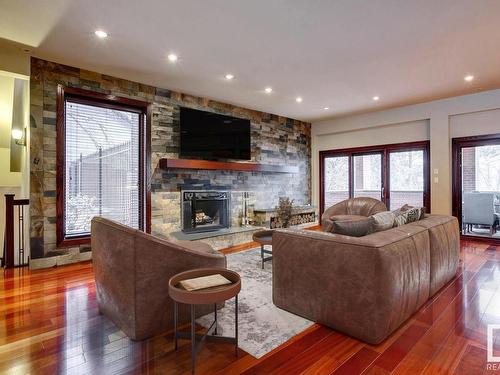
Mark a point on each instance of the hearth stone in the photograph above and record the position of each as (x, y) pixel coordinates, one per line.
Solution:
(220, 239)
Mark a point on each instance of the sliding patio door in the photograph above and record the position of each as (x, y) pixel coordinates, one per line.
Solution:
(406, 178)
(336, 182)
(396, 174)
(367, 175)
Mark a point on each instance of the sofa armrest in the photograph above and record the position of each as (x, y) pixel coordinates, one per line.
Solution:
(157, 260)
(363, 290)
(337, 209)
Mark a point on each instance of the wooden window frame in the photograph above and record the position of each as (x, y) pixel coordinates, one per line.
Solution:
(104, 101)
(456, 151)
(385, 150)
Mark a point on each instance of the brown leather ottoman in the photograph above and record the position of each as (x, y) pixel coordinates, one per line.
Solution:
(264, 237)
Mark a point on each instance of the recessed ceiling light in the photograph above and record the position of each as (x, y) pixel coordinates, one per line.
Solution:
(469, 78)
(298, 99)
(376, 98)
(101, 34)
(326, 108)
(229, 76)
(172, 57)
(268, 90)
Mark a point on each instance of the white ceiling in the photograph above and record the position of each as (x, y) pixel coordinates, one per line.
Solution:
(333, 53)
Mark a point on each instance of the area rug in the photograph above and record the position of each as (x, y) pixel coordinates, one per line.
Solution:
(262, 326)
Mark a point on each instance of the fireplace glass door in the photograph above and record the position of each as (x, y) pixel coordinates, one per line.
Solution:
(205, 211)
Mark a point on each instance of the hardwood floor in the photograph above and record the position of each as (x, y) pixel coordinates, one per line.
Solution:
(50, 324)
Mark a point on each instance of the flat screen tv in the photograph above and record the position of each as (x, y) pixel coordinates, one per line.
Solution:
(212, 136)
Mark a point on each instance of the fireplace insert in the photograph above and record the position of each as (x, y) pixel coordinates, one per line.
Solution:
(204, 211)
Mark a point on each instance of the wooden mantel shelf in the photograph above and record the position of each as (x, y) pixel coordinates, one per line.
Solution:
(227, 166)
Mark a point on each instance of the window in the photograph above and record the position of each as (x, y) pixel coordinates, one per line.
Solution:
(101, 163)
(397, 174)
(367, 173)
(407, 182)
(336, 181)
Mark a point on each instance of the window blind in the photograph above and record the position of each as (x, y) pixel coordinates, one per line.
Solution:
(101, 166)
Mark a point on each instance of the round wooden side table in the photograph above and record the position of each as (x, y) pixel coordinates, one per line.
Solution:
(204, 297)
(264, 237)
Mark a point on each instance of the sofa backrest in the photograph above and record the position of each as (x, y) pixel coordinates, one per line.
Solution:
(362, 206)
(114, 258)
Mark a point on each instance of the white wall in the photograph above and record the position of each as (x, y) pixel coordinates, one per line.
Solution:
(13, 58)
(14, 65)
(7, 177)
(475, 123)
(438, 121)
(377, 135)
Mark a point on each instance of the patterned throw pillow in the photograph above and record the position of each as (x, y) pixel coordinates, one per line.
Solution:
(402, 209)
(383, 220)
(413, 214)
(358, 228)
(409, 216)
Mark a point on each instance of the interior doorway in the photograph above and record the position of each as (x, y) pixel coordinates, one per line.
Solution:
(476, 185)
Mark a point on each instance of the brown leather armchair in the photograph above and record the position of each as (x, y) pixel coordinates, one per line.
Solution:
(350, 210)
(132, 269)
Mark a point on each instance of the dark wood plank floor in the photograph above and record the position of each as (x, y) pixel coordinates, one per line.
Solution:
(50, 324)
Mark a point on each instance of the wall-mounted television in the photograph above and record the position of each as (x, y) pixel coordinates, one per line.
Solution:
(212, 136)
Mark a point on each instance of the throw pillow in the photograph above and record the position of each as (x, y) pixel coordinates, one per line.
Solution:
(413, 214)
(357, 228)
(383, 220)
(402, 209)
(409, 216)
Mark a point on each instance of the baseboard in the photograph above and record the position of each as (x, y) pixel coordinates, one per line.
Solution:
(60, 260)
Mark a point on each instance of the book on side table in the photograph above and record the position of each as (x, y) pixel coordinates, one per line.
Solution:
(204, 282)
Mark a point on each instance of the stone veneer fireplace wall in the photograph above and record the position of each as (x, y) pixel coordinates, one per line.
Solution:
(275, 140)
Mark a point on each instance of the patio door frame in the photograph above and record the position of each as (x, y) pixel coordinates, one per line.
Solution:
(385, 151)
(457, 144)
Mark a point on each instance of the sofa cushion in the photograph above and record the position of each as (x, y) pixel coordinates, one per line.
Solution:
(348, 218)
(359, 206)
(383, 220)
(354, 228)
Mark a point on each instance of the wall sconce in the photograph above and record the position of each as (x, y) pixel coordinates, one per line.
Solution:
(19, 136)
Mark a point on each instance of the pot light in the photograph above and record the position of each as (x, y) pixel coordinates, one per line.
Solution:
(298, 99)
(376, 98)
(229, 76)
(469, 78)
(268, 90)
(326, 108)
(101, 34)
(18, 136)
(172, 57)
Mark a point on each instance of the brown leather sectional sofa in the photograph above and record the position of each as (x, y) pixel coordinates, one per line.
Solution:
(132, 270)
(366, 286)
